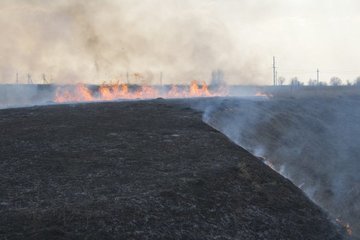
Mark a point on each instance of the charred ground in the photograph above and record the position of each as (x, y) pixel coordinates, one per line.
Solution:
(140, 170)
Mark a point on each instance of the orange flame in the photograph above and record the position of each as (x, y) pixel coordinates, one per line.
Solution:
(79, 94)
(196, 91)
(109, 92)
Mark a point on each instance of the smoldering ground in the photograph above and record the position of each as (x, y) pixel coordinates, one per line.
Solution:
(313, 141)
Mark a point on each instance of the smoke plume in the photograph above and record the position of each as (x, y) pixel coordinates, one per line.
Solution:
(94, 41)
(313, 141)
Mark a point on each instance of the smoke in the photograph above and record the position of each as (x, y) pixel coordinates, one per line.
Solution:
(12, 96)
(313, 141)
(93, 41)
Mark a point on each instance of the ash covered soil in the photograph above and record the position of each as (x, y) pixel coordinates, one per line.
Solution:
(140, 170)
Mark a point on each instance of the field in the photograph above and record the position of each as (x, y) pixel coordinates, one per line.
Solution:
(141, 170)
(310, 137)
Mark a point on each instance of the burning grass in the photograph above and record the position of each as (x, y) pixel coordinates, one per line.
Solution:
(111, 92)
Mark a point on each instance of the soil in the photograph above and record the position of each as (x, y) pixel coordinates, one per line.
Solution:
(140, 170)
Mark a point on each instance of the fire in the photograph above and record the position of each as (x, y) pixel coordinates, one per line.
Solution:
(346, 226)
(174, 91)
(263, 94)
(110, 92)
(196, 91)
(78, 94)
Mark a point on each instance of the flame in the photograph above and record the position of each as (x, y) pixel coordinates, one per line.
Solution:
(346, 226)
(196, 91)
(78, 94)
(110, 92)
(263, 94)
(175, 93)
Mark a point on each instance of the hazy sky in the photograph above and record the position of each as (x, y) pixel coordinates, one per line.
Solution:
(302, 34)
(94, 41)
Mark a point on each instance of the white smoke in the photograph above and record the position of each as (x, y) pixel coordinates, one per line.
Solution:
(94, 41)
(313, 141)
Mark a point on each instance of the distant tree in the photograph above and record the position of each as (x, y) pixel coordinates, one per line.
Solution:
(357, 82)
(295, 82)
(281, 81)
(335, 81)
(322, 84)
(348, 83)
(312, 82)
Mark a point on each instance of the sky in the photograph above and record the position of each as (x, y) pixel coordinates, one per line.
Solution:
(95, 41)
(303, 35)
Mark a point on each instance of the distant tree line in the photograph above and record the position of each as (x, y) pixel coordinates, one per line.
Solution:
(334, 81)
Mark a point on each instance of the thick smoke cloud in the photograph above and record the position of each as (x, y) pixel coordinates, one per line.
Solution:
(99, 40)
(93, 41)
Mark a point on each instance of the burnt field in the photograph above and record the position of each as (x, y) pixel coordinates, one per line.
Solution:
(310, 138)
(140, 170)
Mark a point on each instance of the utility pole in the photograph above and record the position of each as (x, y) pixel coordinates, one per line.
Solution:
(274, 71)
(29, 79)
(17, 78)
(45, 81)
(317, 77)
(127, 77)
